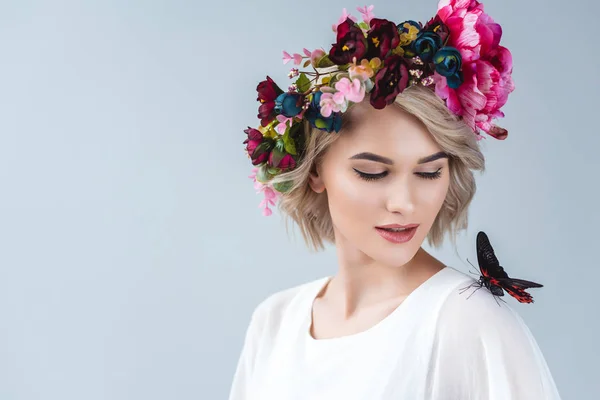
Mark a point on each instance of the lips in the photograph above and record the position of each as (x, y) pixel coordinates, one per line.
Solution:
(389, 226)
(397, 237)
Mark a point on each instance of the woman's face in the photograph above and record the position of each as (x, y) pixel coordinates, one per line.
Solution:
(400, 187)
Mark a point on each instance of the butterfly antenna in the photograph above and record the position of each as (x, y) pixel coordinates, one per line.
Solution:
(473, 267)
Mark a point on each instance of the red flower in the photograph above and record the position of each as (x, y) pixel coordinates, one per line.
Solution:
(391, 80)
(350, 43)
(267, 93)
(280, 159)
(382, 38)
(257, 146)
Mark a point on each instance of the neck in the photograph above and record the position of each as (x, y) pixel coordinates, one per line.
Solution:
(359, 285)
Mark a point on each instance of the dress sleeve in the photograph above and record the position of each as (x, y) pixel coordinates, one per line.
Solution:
(240, 387)
(485, 351)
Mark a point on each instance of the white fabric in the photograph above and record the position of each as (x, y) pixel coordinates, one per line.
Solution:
(436, 345)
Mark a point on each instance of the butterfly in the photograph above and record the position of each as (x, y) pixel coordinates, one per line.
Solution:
(495, 278)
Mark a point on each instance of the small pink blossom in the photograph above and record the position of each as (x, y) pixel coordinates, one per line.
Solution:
(342, 19)
(271, 195)
(332, 102)
(283, 123)
(366, 13)
(315, 56)
(352, 90)
(296, 57)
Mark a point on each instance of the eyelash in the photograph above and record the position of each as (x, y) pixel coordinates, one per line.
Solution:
(373, 177)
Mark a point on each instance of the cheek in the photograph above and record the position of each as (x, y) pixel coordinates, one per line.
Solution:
(432, 195)
(348, 195)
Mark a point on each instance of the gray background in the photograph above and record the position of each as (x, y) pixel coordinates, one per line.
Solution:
(132, 248)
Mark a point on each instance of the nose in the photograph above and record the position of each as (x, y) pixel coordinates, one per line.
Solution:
(401, 196)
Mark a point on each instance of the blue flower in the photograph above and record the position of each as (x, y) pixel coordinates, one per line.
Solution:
(313, 115)
(426, 45)
(448, 63)
(288, 104)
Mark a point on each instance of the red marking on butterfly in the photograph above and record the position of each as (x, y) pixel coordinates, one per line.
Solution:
(495, 278)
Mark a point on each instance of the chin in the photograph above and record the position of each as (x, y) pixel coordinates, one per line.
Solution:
(390, 254)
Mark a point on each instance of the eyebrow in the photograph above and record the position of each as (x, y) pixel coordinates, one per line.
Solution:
(385, 160)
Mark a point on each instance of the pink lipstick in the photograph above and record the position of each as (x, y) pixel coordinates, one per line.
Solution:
(401, 236)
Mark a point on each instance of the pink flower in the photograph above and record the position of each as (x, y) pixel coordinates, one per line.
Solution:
(343, 19)
(366, 13)
(487, 84)
(271, 195)
(487, 66)
(332, 102)
(283, 123)
(472, 31)
(336, 100)
(467, 99)
(352, 90)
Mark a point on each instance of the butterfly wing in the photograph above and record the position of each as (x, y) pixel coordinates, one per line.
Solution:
(496, 277)
(516, 288)
(487, 260)
(518, 293)
(520, 283)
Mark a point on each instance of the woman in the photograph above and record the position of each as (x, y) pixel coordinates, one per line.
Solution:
(375, 154)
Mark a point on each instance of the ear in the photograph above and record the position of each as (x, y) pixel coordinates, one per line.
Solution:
(316, 181)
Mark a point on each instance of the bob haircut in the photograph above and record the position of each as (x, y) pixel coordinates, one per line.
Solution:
(310, 210)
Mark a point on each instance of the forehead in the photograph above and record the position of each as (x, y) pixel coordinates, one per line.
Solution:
(390, 131)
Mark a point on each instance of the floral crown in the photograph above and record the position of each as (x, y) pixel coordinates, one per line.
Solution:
(457, 54)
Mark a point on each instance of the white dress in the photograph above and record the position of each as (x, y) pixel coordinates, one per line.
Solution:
(436, 345)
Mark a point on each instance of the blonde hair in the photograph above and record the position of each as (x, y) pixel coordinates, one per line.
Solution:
(310, 210)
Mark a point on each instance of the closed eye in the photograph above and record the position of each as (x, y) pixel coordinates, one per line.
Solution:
(372, 177)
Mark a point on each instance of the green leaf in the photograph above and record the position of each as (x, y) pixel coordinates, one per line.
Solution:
(279, 144)
(319, 123)
(264, 147)
(324, 62)
(262, 175)
(334, 78)
(294, 130)
(306, 63)
(283, 187)
(288, 143)
(364, 25)
(303, 83)
(273, 170)
(277, 154)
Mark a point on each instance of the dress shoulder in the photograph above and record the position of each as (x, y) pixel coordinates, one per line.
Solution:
(278, 301)
(483, 346)
(264, 323)
(268, 314)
